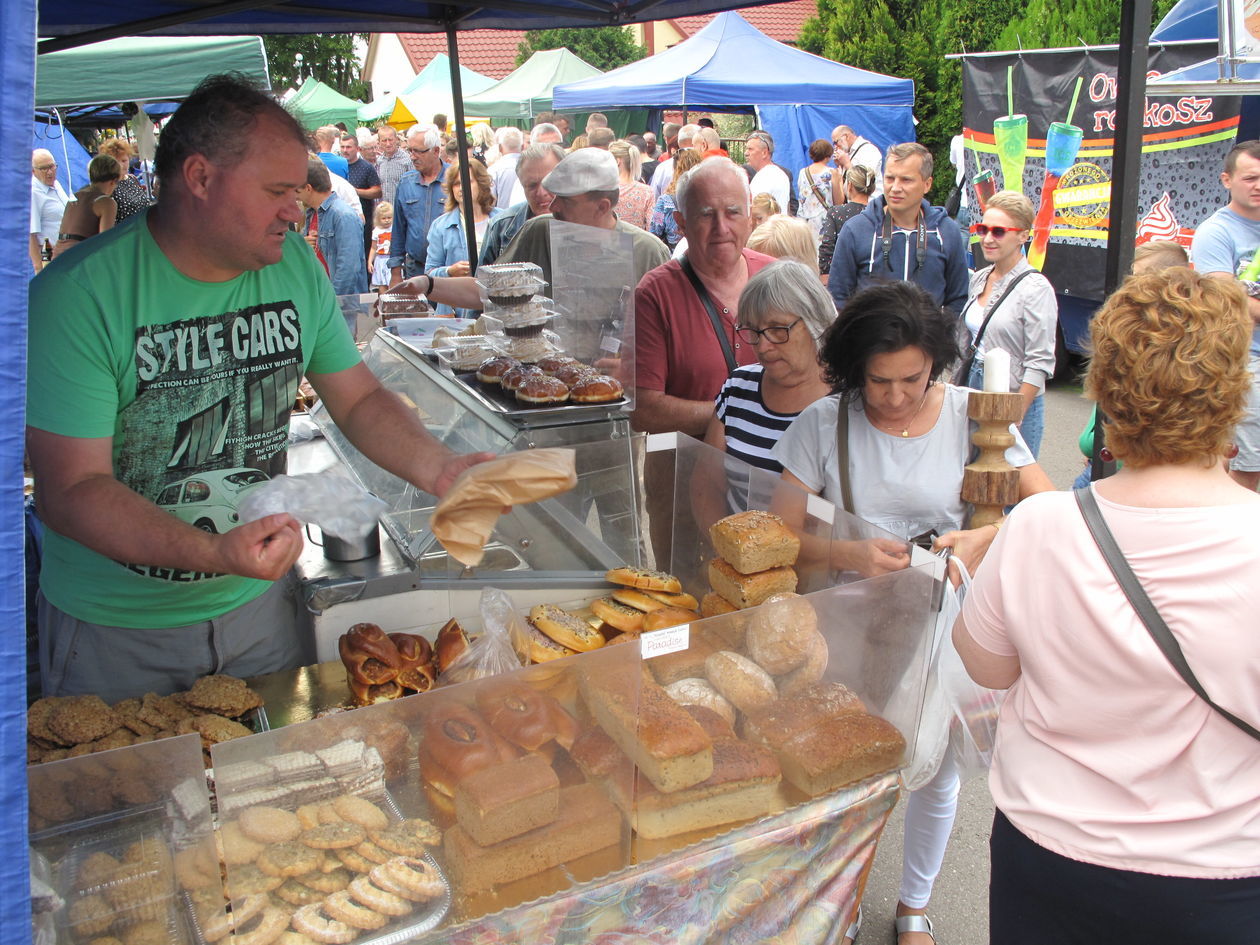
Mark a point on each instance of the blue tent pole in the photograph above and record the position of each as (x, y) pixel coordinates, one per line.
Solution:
(17, 68)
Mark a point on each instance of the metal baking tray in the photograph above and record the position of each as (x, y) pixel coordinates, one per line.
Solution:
(507, 405)
(428, 915)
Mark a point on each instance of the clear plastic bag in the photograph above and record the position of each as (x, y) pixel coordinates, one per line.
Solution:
(499, 648)
(329, 499)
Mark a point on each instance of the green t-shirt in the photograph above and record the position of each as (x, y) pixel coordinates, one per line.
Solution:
(194, 381)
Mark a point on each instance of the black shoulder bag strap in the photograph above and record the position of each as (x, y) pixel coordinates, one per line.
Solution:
(842, 454)
(1146, 611)
(969, 357)
(719, 327)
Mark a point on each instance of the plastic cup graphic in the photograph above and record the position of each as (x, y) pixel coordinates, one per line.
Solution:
(1010, 134)
(1062, 143)
(985, 187)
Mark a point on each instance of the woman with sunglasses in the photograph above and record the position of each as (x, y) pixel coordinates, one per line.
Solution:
(1020, 307)
(783, 312)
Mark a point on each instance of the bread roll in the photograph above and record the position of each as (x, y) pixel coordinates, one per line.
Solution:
(566, 629)
(668, 617)
(637, 599)
(524, 716)
(683, 600)
(644, 579)
(749, 590)
(699, 692)
(613, 612)
(781, 633)
(543, 649)
(809, 672)
(741, 681)
(460, 741)
(755, 541)
(778, 722)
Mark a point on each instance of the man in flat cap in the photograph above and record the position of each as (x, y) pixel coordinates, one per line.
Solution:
(585, 189)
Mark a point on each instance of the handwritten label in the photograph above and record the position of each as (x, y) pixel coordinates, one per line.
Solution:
(669, 640)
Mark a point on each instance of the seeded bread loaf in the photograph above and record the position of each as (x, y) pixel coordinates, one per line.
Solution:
(755, 541)
(749, 590)
(840, 751)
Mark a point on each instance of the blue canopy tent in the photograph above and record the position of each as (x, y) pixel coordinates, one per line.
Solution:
(1189, 19)
(74, 23)
(730, 65)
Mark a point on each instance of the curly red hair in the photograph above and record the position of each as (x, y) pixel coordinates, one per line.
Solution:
(1169, 366)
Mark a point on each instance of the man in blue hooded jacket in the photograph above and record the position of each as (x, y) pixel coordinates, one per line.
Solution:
(901, 237)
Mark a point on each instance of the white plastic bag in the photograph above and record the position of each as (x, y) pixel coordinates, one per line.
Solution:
(500, 646)
(329, 499)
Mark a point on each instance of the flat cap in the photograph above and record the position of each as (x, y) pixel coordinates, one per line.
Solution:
(581, 172)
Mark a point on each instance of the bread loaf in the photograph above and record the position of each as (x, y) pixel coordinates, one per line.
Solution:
(782, 633)
(740, 681)
(801, 679)
(755, 541)
(713, 604)
(744, 784)
(749, 590)
(840, 751)
(667, 744)
(590, 823)
(780, 721)
(506, 800)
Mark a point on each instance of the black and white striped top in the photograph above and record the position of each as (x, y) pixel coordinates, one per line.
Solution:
(752, 429)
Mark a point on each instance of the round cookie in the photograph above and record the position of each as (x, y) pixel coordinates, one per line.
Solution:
(289, 859)
(407, 837)
(314, 923)
(361, 811)
(340, 906)
(363, 890)
(327, 883)
(249, 880)
(236, 848)
(297, 893)
(333, 836)
(270, 824)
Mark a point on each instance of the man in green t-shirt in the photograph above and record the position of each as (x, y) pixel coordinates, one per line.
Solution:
(164, 360)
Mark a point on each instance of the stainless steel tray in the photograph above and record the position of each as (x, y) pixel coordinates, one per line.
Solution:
(494, 399)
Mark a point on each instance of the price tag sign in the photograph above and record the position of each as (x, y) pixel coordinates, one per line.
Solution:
(610, 344)
(669, 640)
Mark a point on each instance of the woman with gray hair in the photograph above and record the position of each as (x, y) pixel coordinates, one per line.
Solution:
(783, 313)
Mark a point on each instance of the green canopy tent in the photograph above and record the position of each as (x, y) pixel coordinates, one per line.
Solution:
(317, 104)
(143, 68)
(377, 109)
(527, 91)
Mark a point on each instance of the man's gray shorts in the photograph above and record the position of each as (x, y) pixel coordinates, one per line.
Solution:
(1247, 434)
(270, 633)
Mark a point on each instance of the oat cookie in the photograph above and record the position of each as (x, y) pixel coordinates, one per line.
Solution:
(354, 861)
(81, 719)
(407, 837)
(149, 932)
(326, 883)
(214, 729)
(370, 851)
(95, 870)
(333, 836)
(296, 893)
(37, 720)
(91, 915)
(289, 859)
(270, 824)
(249, 880)
(223, 695)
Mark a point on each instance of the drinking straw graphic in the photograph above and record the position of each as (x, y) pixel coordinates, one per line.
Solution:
(1063, 141)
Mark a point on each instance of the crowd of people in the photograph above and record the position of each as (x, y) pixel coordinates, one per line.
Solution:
(833, 343)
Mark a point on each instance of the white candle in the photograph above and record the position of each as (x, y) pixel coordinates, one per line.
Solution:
(997, 371)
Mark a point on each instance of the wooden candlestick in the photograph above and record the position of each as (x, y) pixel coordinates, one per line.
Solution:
(990, 484)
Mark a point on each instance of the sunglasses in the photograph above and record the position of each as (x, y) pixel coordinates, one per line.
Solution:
(998, 232)
(775, 334)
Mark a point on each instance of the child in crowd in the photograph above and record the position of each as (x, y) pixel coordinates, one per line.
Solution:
(378, 255)
(763, 208)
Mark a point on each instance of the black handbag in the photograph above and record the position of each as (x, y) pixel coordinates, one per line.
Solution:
(1141, 603)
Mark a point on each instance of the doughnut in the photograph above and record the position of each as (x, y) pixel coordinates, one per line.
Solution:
(596, 389)
(311, 921)
(571, 374)
(541, 389)
(492, 370)
(340, 906)
(513, 378)
(376, 898)
(416, 876)
(553, 362)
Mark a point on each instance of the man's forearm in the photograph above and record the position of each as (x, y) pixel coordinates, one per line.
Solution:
(101, 513)
(37, 259)
(658, 412)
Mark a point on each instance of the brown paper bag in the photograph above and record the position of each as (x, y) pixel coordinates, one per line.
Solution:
(466, 516)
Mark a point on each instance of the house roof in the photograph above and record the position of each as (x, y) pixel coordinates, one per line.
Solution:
(490, 52)
(779, 21)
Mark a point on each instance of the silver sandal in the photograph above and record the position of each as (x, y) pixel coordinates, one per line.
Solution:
(914, 923)
(852, 932)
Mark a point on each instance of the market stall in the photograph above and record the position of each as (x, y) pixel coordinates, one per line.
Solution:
(317, 104)
(527, 91)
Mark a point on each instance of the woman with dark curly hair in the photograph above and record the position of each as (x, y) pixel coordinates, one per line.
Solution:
(906, 438)
(1128, 808)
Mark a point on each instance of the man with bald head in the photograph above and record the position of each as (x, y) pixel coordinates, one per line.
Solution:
(510, 141)
(536, 162)
(687, 136)
(851, 148)
(48, 204)
(546, 133)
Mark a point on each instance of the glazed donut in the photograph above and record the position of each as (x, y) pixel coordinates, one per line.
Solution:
(596, 389)
(387, 903)
(312, 922)
(514, 377)
(553, 362)
(242, 911)
(269, 927)
(416, 876)
(340, 906)
(492, 370)
(572, 373)
(541, 389)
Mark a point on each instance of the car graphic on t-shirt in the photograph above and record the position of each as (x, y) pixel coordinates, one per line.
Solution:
(209, 499)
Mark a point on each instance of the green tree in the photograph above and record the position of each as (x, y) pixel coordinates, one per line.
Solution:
(329, 57)
(604, 47)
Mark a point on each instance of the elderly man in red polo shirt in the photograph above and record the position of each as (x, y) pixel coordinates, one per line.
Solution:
(685, 344)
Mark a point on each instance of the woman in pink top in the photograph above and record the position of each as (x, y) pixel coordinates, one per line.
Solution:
(1129, 809)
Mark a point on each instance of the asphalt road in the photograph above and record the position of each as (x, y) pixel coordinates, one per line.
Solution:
(959, 906)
